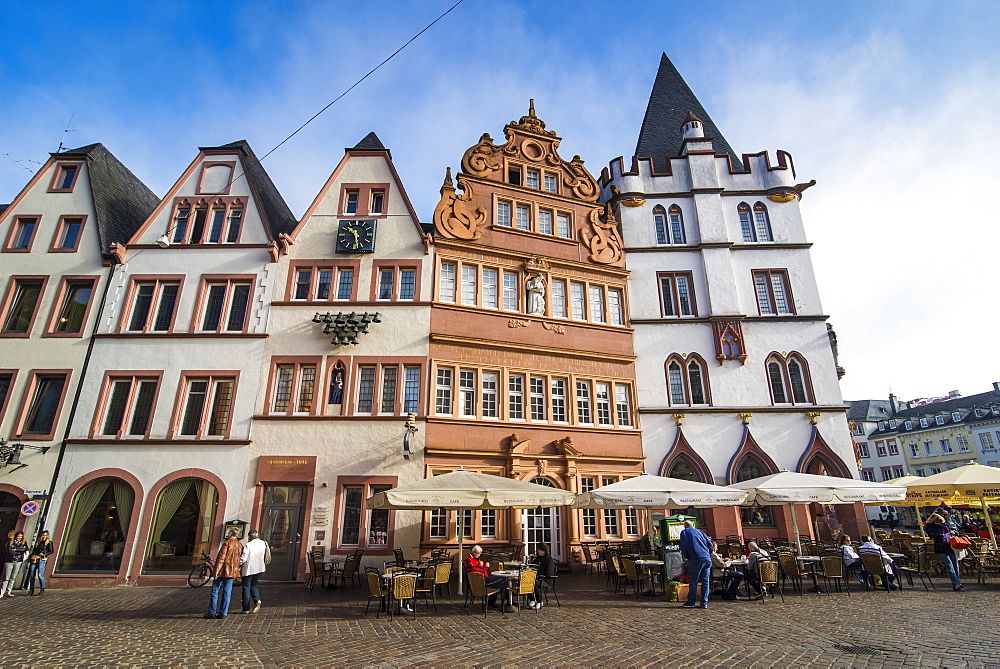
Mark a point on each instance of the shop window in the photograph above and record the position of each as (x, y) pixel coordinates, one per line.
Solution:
(183, 520)
(97, 527)
(757, 515)
(360, 527)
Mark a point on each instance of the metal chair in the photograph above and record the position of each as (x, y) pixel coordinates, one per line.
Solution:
(316, 572)
(768, 575)
(375, 591)
(525, 587)
(477, 588)
(833, 569)
(918, 567)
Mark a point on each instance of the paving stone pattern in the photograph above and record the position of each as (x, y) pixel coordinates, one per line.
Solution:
(163, 626)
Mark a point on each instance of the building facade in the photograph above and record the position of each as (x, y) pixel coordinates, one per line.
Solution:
(58, 238)
(736, 371)
(530, 350)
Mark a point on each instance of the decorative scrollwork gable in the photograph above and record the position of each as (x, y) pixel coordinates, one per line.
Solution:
(579, 180)
(455, 216)
(482, 158)
(603, 240)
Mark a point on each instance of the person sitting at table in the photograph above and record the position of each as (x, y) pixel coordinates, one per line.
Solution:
(756, 555)
(546, 568)
(721, 568)
(474, 565)
(968, 526)
(851, 558)
(870, 547)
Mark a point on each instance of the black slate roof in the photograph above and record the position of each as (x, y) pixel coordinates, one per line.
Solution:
(869, 410)
(121, 201)
(669, 104)
(370, 142)
(277, 217)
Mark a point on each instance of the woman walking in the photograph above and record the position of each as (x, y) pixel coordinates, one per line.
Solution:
(937, 530)
(14, 555)
(39, 555)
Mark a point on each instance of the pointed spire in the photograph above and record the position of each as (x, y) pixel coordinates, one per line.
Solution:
(448, 184)
(371, 142)
(531, 107)
(670, 102)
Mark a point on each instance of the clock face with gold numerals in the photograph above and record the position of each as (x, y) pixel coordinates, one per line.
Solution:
(357, 236)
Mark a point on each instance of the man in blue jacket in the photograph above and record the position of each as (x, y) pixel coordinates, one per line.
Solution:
(696, 547)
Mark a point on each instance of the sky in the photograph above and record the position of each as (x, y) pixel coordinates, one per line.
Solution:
(891, 106)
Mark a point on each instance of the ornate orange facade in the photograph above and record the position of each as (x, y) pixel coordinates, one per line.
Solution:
(532, 362)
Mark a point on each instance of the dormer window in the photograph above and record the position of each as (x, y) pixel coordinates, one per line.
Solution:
(892, 424)
(514, 175)
(65, 178)
(881, 425)
(939, 420)
(908, 425)
(956, 416)
(923, 422)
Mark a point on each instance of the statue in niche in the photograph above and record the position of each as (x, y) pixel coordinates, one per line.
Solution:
(536, 295)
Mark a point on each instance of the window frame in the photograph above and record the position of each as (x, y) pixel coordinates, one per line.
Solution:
(57, 177)
(675, 294)
(364, 192)
(400, 364)
(5, 400)
(684, 362)
(64, 220)
(27, 400)
(201, 303)
(209, 204)
(786, 381)
(298, 362)
(782, 274)
(128, 306)
(397, 268)
(15, 226)
(111, 377)
(366, 483)
(533, 218)
(12, 284)
(213, 377)
(58, 304)
(335, 267)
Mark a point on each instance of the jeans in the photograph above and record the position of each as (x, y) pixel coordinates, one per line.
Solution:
(732, 586)
(251, 593)
(10, 570)
(217, 605)
(754, 581)
(37, 568)
(950, 562)
(700, 572)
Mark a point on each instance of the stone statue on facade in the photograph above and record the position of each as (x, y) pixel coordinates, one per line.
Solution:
(536, 295)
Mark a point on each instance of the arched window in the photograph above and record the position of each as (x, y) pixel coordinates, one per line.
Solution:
(750, 467)
(683, 469)
(788, 379)
(660, 224)
(746, 222)
(95, 533)
(761, 223)
(687, 380)
(183, 520)
(676, 225)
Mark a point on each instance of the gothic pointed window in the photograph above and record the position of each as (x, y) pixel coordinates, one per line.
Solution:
(684, 470)
(687, 380)
(750, 467)
(676, 383)
(761, 223)
(788, 379)
(660, 224)
(776, 378)
(696, 382)
(676, 221)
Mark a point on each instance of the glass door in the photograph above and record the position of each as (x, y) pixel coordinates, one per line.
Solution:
(543, 526)
(283, 514)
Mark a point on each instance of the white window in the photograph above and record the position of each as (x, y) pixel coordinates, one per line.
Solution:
(597, 304)
(939, 420)
(469, 287)
(577, 301)
(466, 392)
(515, 397)
(438, 524)
(946, 447)
(773, 295)
(956, 416)
(559, 298)
(488, 523)
(880, 448)
(623, 405)
(386, 282)
(602, 396)
(503, 214)
(551, 185)
(563, 227)
(893, 447)
(489, 382)
(886, 473)
(490, 296)
(588, 483)
(863, 450)
(510, 290)
(660, 224)
(914, 450)
(963, 444)
(537, 398)
(929, 448)
(867, 475)
(351, 202)
(616, 311)
(584, 408)
(923, 422)
(892, 425)
(897, 472)
(919, 472)
(443, 390)
(908, 425)
(377, 203)
(559, 401)
(533, 179)
(446, 289)
(986, 441)
(523, 217)
(545, 221)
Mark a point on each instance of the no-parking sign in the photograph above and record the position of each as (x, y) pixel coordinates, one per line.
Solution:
(30, 508)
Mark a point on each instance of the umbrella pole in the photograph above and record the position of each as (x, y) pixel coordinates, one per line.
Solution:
(920, 521)
(989, 521)
(461, 567)
(795, 527)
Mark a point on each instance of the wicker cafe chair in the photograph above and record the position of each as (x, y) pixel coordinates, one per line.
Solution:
(833, 569)
(768, 571)
(614, 565)
(442, 576)
(790, 569)
(477, 588)
(375, 591)
(635, 575)
(919, 567)
(425, 585)
(590, 560)
(525, 587)
(872, 562)
(987, 564)
(348, 571)
(403, 589)
(316, 572)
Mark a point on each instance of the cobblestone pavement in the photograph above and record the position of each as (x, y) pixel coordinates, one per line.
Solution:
(163, 626)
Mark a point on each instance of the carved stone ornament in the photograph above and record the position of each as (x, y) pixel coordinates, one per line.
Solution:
(517, 445)
(554, 327)
(455, 217)
(813, 416)
(536, 264)
(679, 418)
(517, 323)
(481, 159)
(603, 239)
(541, 464)
(566, 447)
(745, 417)
(532, 123)
(582, 184)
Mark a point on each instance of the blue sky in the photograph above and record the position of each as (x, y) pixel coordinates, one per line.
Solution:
(891, 106)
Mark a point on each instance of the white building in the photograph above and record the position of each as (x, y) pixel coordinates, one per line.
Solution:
(345, 362)
(57, 238)
(736, 373)
(158, 449)
(881, 459)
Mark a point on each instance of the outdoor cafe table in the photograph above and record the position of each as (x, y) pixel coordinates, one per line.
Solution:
(812, 562)
(740, 565)
(651, 563)
(510, 575)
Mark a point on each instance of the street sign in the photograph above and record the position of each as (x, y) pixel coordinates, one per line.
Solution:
(35, 492)
(30, 508)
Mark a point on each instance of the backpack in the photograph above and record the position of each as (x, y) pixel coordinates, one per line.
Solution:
(267, 554)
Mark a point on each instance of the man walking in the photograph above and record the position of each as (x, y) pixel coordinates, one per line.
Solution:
(696, 547)
(227, 567)
(256, 555)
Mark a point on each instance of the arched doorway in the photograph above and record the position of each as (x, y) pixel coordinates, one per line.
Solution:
(10, 508)
(542, 525)
(97, 528)
(183, 519)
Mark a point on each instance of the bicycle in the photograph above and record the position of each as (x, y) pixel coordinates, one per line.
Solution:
(202, 573)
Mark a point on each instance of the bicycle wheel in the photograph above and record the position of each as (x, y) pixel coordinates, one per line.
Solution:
(199, 576)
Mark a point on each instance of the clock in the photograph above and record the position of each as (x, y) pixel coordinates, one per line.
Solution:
(356, 236)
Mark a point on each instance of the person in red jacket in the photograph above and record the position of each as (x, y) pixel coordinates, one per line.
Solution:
(474, 565)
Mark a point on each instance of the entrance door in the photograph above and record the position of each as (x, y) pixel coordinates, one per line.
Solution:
(543, 526)
(283, 514)
(10, 507)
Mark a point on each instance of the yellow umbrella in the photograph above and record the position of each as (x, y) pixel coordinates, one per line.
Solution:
(977, 483)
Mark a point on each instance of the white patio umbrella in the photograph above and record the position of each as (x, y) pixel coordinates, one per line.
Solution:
(971, 482)
(463, 489)
(792, 488)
